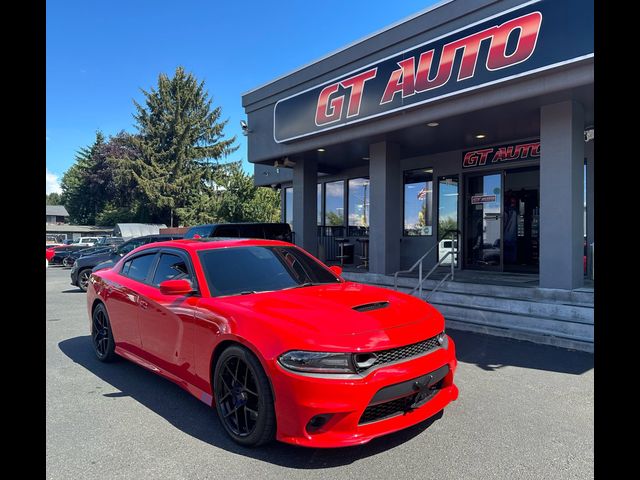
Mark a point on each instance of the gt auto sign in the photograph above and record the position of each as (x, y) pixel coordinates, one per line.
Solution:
(502, 153)
(532, 37)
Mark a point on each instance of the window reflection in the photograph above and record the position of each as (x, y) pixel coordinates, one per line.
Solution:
(334, 203)
(418, 202)
(288, 206)
(359, 202)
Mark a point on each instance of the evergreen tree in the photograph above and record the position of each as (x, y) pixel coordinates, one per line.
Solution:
(78, 191)
(231, 196)
(179, 135)
(54, 198)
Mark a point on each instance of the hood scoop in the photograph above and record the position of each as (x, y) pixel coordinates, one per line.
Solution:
(367, 307)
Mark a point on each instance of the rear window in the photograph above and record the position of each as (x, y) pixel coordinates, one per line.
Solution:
(138, 268)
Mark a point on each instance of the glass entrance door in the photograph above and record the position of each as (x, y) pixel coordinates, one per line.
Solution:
(521, 220)
(483, 232)
(447, 217)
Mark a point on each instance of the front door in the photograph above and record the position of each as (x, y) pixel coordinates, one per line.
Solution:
(166, 320)
(521, 220)
(483, 232)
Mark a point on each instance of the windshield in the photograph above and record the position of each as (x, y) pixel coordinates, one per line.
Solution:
(242, 270)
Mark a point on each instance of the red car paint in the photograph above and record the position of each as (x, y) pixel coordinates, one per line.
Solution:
(176, 337)
(51, 251)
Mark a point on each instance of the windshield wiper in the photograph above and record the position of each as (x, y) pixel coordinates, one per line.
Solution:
(247, 292)
(305, 284)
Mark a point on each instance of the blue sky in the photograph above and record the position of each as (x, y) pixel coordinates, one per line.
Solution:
(100, 54)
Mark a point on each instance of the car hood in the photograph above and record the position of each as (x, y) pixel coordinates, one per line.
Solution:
(344, 314)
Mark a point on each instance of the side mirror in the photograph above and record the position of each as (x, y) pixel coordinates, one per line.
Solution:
(337, 269)
(176, 287)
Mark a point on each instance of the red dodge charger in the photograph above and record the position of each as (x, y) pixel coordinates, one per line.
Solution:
(277, 341)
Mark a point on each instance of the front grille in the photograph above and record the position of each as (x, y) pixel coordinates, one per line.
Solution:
(383, 410)
(399, 406)
(402, 353)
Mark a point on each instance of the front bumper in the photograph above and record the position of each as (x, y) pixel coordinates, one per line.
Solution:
(74, 276)
(299, 398)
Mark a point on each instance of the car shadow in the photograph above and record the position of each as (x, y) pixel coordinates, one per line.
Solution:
(72, 290)
(490, 353)
(194, 418)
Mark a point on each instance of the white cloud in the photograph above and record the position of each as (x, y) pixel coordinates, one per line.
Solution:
(52, 183)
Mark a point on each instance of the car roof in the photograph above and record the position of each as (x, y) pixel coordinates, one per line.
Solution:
(168, 236)
(208, 243)
(236, 224)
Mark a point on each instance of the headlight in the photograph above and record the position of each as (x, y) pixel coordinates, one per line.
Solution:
(442, 339)
(317, 362)
(75, 266)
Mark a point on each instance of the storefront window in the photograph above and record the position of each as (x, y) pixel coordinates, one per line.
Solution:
(418, 202)
(319, 204)
(334, 203)
(288, 206)
(447, 217)
(359, 202)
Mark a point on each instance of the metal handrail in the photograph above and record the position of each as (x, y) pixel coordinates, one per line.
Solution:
(452, 252)
(593, 251)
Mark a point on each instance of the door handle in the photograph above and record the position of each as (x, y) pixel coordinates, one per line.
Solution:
(143, 304)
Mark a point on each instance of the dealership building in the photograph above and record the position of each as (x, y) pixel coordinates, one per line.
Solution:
(472, 115)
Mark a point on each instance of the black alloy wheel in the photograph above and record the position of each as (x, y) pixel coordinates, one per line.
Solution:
(243, 397)
(101, 335)
(83, 279)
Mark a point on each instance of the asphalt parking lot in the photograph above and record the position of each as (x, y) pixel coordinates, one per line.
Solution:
(525, 411)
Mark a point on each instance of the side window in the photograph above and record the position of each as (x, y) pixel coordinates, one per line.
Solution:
(170, 267)
(138, 268)
(251, 231)
(226, 231)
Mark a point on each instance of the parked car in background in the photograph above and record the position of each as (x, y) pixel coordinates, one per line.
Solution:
(87, 241)
(110, 241)
(73, 256)
(57, 254)
(82, 267)
(444, 247)
(277, 342)
(269, 231)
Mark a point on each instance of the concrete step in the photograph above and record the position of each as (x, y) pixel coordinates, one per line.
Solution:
(521, 335)
(581, 298)
(553, 317)
(555, 311)
(559, 328)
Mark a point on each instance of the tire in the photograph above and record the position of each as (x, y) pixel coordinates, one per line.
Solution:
(83, 279)
(67, 262)
(244, 402)
(101, 335)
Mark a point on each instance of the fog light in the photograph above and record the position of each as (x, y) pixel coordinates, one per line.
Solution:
(317, 422)
(441, 338)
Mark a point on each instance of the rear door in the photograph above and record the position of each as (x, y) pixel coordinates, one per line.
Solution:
(123, 301)
(166, 321)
